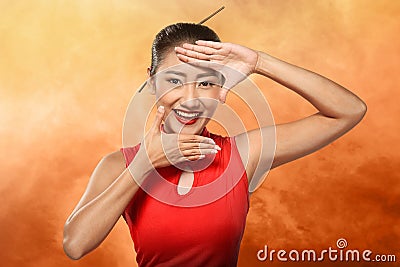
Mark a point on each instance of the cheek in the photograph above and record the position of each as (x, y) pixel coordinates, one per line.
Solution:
(166, 98)
(210, 104)
(210, 93)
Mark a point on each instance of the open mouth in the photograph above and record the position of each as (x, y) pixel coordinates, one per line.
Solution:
(187, 117)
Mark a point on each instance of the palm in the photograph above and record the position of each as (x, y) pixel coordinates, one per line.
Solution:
(234, 61)
(236, 57)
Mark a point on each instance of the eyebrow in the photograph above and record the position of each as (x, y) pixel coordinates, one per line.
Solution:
(200, 75)
(176, 73)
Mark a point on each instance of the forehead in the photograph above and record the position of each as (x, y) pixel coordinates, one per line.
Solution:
(171, 65)
(170, 60)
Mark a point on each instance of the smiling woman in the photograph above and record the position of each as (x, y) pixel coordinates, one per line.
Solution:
(191, 92)
(183, 191)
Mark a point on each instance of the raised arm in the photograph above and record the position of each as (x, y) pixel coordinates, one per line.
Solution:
(339, 110)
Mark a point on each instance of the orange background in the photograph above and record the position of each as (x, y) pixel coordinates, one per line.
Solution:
(69, 68)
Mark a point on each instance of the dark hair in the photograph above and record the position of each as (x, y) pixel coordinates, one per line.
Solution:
(176, 34)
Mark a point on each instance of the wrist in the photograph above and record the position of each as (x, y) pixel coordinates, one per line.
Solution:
(140, 167)
(256, 65)
(259, 64)
(263, 60)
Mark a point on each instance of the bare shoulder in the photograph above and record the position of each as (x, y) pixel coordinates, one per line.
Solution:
(114, 159)
(106, 172)
(109, 167)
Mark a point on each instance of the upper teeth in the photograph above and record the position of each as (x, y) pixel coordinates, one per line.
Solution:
(188, 115)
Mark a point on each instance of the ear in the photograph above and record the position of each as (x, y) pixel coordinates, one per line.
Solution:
(150, 82)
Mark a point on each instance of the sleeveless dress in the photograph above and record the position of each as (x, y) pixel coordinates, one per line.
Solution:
(200, 228)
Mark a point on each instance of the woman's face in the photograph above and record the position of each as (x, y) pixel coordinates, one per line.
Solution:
(188, 93)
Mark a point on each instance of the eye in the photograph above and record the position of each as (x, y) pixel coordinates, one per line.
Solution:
(175, 81)
(206, 84)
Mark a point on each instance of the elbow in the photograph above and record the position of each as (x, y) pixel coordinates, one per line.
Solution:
(361, 111)
(358, 112)
(72, 247)
(72, 250)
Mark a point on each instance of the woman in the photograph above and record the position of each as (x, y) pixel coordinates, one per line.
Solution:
(200, 231)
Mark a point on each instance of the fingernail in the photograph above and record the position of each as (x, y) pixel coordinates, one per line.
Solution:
(214, 151)
(202, 156)
(160, 108)
(217, 147)
(211, 141)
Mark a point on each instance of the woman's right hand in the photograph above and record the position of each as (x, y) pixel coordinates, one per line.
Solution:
(170, 149)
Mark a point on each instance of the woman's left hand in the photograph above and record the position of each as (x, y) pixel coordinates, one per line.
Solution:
(234, 61)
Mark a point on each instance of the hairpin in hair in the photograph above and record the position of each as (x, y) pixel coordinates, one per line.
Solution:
(142, 86)
(212, 15)
(201, 22)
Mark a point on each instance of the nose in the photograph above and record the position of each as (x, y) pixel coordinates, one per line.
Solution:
(190, 97)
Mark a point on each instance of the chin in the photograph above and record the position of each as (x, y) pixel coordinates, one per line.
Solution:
(192, 130)
(178, 127)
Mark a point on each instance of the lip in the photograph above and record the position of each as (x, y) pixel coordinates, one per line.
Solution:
(187, 117)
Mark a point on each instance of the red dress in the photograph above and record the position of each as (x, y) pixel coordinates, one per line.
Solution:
(201, 228)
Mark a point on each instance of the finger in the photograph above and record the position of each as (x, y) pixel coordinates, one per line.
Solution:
(215, 45)
(189, 146)
(222, 95)
(193, 158)
(197, 152)
(192, 138)
(183, 58)
(201, 49)
(190, 60)
(194, 62)
(191, 54)
(158, 120)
